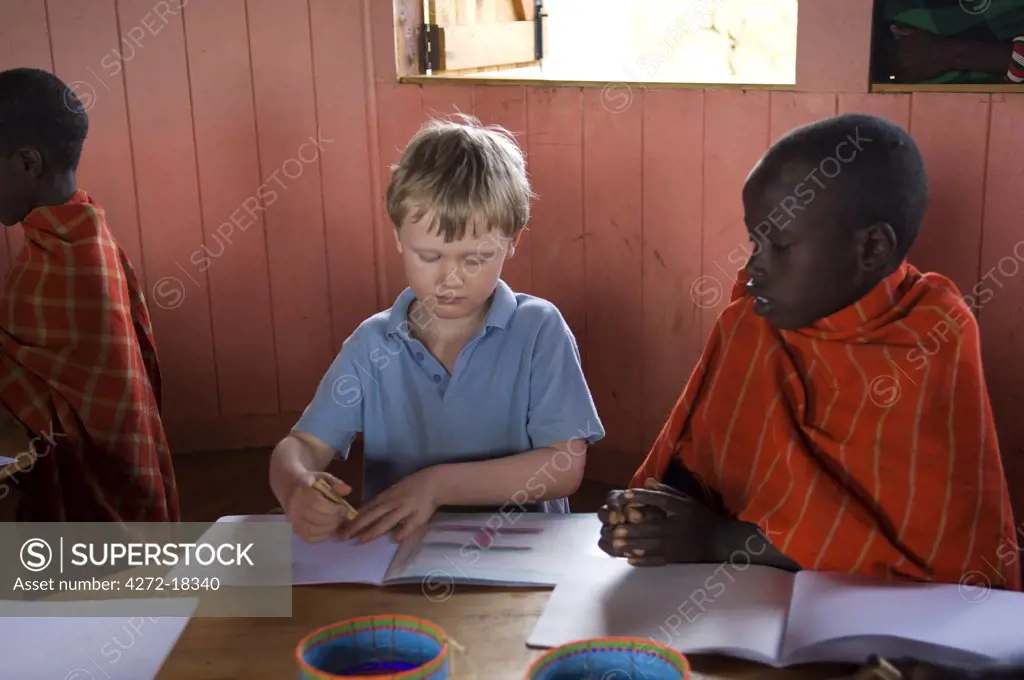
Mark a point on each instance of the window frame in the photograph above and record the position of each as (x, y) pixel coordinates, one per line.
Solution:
(409, 20)
(843, 32)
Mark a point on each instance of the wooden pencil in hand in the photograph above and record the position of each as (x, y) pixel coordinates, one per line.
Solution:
(330, 494)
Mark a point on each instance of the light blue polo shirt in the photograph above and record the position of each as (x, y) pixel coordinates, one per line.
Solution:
(517, 385)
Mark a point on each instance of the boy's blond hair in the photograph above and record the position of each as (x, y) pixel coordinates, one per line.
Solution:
(463, 175)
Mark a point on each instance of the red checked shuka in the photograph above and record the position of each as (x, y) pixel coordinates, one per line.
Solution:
(79, 371)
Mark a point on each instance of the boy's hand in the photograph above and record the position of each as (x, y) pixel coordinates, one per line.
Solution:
(656, 526)
(313, 517)
(411, 503)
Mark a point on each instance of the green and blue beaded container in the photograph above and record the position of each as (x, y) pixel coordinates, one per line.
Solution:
(610, 659)
(375, 648)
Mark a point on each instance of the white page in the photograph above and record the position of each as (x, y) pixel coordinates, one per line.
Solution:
(333, 560)
(734, 609)
(37, 645)
(919, 619)
(337, 561)
(562, 540)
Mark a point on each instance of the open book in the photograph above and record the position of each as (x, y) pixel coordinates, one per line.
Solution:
(528, 550)
(780, 618)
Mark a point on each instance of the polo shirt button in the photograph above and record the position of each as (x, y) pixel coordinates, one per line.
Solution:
(437, 378)
(419, 355)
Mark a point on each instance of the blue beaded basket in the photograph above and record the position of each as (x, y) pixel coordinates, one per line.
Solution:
(374, 648)
(610, 659)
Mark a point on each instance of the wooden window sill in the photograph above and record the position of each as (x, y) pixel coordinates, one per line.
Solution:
(557, 82)
(948, 87)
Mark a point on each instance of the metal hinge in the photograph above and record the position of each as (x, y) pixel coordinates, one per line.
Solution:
(538, 29)
(430, 48)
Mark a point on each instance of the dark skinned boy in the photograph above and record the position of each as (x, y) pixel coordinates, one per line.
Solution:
(78, 366)
(800, 424)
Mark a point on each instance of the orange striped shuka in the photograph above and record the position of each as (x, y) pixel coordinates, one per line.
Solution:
(79, 371)
(864, 443)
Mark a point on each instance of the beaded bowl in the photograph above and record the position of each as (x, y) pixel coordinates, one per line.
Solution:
(385, 647)
(610, 659)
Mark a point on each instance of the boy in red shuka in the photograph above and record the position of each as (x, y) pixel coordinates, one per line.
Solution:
(810, 419)
(78, 365)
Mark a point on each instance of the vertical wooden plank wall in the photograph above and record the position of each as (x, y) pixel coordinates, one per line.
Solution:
(233, 250)
(999, 287)
(673, 209)
(637, 231)
(613, 229)
(291, 148)
(340, 65)
(153, 53)
(557, 237)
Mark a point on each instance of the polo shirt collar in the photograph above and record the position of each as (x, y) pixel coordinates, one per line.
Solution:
(503, 306)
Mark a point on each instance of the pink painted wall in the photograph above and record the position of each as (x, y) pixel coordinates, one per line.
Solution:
(242, 151)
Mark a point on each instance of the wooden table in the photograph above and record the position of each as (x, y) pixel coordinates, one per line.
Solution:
(490, 624)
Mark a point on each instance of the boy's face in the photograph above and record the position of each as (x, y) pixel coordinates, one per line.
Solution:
(452, 280)
(803, 266)
(16, 186)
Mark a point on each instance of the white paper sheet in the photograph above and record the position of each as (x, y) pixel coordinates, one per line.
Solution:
(35, 645)
(694, 608)
(962, 624)
(742, 611)
(336, 561)
(333, 560)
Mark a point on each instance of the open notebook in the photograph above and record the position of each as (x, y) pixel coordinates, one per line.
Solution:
(782, 619)
(528, 550)
(81, 640)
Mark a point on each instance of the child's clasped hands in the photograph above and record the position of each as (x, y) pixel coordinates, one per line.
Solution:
(657, 525)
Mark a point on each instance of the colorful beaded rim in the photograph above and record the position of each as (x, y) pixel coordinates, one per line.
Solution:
(1015, 74)
(611, 658)
(413, 649)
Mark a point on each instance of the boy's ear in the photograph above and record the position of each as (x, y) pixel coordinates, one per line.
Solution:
(877, 244)
(515, 242)
(398, 239)
(31, 160)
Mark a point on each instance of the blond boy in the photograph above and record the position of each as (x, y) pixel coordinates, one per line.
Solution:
(466, 393)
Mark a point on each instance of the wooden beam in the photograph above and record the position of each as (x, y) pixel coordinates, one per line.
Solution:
(408, 19)
(483, 45)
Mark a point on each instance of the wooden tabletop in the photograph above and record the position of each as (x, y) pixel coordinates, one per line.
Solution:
(490, 624)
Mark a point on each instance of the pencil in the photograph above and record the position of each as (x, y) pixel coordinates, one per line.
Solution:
(330, 494)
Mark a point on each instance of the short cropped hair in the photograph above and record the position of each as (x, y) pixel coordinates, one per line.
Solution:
(885, 179)
(463, 176)
(38, 110)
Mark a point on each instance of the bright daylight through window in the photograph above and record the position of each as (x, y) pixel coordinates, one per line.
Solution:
(652, 41)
